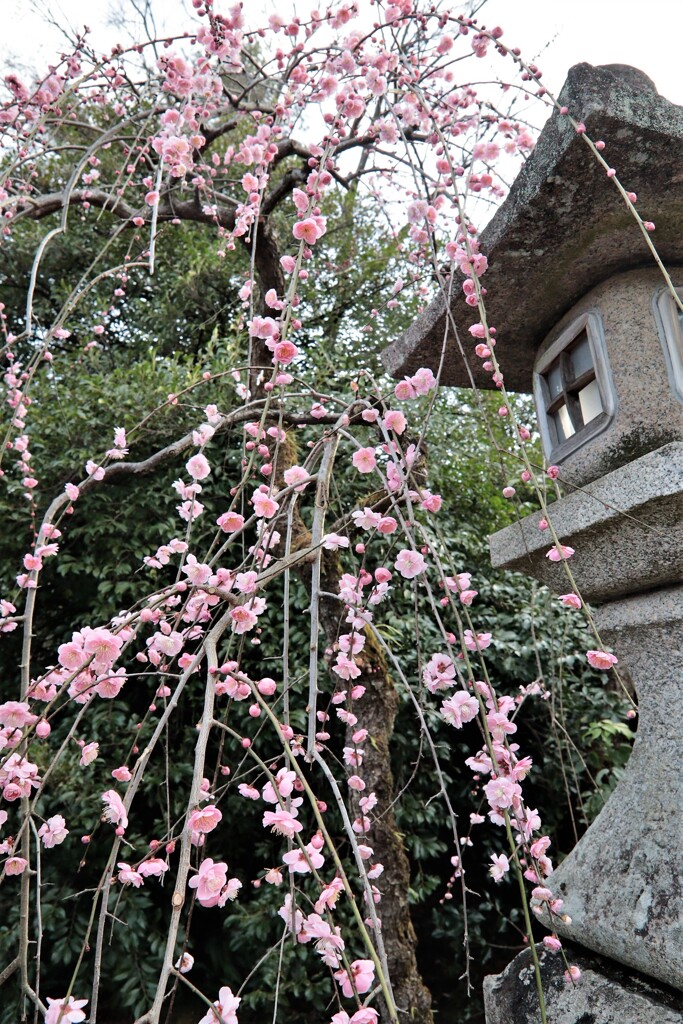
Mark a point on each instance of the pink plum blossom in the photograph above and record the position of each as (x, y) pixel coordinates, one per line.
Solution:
(212, 885)
(309, 230)
(204, 819)
(479, 642)
(245, 616)
(230, 522)
(198, 466)
(18, 776)
(502, 792)
(15, 714)
(129, 876)
(439, 673)
(155, 867)
(250, 792)
(104, 645)
(264, 507)
(282, 822)
(499, 725)
(423, 381)
(185, 963)
(500, 866)
(94, 471)
(111, 685)
(395, 420)
(15, 865)
(460, 708)
(284, 352)
(224, 1009)
(284, 784)
(329, 895)
(328, 941)
(431, 502)
(363, 975)
(345, 667)
(168, 643)
(541, 893)
(294, 476)
(557, 556)
(364, 460)
(405, 390)
(246, 582)
(114, 811)
(366, 1015)
(198, 573)
(353, 756)
(89, 753)
(334, 541)
(367, 519)
(303, 860)
(263, 327)
(53, 832)
(410, 563)
(601, 660)
(190, 510)
(65, 1011)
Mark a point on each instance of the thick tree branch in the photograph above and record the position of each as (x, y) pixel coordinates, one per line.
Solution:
(191, 209)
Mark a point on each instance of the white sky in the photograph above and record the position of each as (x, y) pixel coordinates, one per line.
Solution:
(558, 33)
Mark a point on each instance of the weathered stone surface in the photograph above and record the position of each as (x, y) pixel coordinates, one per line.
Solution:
(627, 529)
(606, 993)
(622, 884)
(563, 228)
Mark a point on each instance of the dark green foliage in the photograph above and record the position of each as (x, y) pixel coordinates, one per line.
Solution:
(99, 572)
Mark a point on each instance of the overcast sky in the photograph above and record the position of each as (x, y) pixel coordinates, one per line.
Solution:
(558, 33)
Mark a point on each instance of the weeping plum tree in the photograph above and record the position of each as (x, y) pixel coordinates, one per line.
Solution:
(302, 515)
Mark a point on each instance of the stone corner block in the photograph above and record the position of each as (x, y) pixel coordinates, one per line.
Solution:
(605, 994)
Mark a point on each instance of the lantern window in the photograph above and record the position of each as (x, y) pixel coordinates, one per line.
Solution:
(670, 323)
(573, 388)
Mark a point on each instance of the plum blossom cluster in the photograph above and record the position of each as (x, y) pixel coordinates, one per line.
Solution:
(213, 143)
(499, 759)
(211, 884)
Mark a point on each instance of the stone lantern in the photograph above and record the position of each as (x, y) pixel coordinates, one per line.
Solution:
(586, 323)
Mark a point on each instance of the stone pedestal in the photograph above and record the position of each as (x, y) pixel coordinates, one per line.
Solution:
(605, 994)
(622, 885)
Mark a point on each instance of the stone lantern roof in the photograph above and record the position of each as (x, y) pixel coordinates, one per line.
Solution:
(564, 228)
